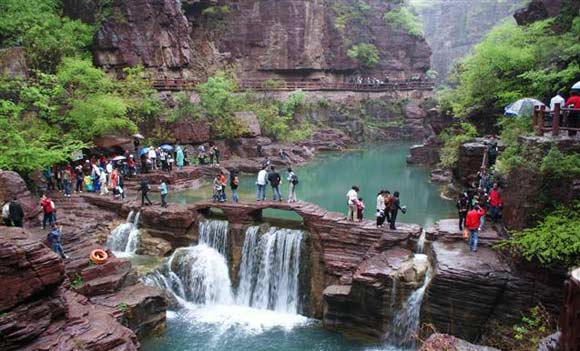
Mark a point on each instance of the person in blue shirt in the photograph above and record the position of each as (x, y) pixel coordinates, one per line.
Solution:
(54, 240)
(163, 190)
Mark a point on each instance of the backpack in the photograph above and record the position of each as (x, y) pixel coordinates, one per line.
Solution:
(294, 179)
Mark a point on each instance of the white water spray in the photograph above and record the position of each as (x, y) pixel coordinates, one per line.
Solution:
(124, 240)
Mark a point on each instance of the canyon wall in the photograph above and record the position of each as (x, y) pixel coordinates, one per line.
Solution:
(452, 28)
(256, 39)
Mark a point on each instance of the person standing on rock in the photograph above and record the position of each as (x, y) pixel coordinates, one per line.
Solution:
(16, 213)
(163, 190)
(394, 208)
(144, 189)
(54, 240)
(380, 209)
(261, 184)
(462, 207)
(234, 183)
(103, 181)
(351, 202)
(47, 210)
(275, 181)
(179, 158)
(472, 223)
(495, 203)
(292, 183)
(6, 214)
(224, 184)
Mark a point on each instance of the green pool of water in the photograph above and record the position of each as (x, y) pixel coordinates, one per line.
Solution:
(326, 180)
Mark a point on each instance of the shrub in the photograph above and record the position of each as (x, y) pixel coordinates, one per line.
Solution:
(404, 19)
(553, 241)
(453, 137)
(557, 165)
(184, 109)
(366, 55)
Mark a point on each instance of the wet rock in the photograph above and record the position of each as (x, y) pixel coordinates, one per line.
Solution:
(469, 162)
(439, 175)
(437, 342)
(535, 11)
(424, 154)
(447, 230)
(12, 185)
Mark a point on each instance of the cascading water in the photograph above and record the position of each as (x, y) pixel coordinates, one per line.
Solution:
(214, 234)
(269, 270)
(124, 239)
(421, 242)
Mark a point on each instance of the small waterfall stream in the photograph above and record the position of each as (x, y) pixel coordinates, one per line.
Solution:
(268, 275)
(124, 239)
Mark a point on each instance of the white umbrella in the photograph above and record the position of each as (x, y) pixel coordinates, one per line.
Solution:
(522, 107)
(138, 136)
(119, 158)
(576, 86)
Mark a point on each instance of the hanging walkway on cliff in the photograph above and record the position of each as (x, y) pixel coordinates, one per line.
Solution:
(268, 85)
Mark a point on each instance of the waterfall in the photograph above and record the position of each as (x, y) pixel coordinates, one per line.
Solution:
(405, 324)
(214, 234)
(421, 242)
(269, 270)
(124, 239)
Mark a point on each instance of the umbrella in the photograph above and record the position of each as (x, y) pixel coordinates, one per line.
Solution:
(167, 147)
(522, 107)
(138, 136)
(576, 86)
(119, 158)
(143, 151)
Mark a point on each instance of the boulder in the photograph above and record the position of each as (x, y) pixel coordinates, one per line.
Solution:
(249, 122)
(13, 186)
(535, 11)
(191, 132)
(27, 268)
(13, 63)
(438, 342)
(424, 154)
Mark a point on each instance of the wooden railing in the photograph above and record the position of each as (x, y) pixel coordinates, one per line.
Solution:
(561, 119)
(269, 85)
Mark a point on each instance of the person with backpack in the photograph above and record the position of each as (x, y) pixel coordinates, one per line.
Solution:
(79, 179)
(275, 181)
(53, 239)
(261, 182)
(462, 208)
(163, 190)
(292, 183)
(234, 183)
(47, 210)
(144, 189)
(16, 213)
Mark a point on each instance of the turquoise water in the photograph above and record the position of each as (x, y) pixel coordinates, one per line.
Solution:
(326, 180)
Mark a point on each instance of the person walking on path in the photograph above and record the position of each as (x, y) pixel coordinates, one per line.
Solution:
(53, 237)
(234, 183)
(163, 190)
(495, 202)
(292, 183)
(380, 209)
(179, 158)
(144, 189)
(16, 214)
(48, 210)
(67, 177)
(275, 181)
(462, 207)
(217, 188)
(261, 184)
(79, 179)
(351, 201)
(394, 209)
(472, 223)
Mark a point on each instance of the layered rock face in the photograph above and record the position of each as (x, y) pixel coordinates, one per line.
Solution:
(453, 28)
(12, 186)
(294, 38)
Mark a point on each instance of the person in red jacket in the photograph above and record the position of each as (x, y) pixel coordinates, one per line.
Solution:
(495, 203)
(472, 223)
(574, 117)
(48, 210)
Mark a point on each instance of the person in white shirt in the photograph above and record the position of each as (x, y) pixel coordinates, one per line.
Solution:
(380, 209)
(352, 200)
(261, 184)
(292, 182)
(152, 155)
(558, 99)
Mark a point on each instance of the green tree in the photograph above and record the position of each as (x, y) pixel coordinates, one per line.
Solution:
(365, 54)
(403, 18)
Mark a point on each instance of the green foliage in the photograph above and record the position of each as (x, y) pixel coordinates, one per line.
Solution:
(184, 109)
(366, 55)
(453, 137)
(517, 61)
(403, 18)
(559, 166)
(46, 36)
(554, 240)
(122, 306)
(77, 282)
(515, 154)
(216, 11)
(349, 14)
(219, 104)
